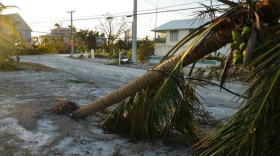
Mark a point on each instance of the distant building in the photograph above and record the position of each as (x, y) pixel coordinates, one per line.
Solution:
(22, 27)
(101, 41)
(65, 33)
(174, 31)
(56, 33)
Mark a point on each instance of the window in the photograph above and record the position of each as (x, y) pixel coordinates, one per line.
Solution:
(173, 36)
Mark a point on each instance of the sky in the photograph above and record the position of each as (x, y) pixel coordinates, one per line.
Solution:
(41, 15)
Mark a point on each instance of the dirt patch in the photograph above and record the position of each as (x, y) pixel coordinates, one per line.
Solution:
(33, 66)
(26, 117)
(27, 126)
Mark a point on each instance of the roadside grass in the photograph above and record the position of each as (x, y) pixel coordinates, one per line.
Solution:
(27, 66)
(35, 66)
(113, 63)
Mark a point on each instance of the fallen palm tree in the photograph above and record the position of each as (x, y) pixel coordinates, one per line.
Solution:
(217, 39)
(155, 104)
(162, 101)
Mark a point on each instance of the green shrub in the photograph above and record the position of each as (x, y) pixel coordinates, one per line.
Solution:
(114, 63)
(44, 49)
(8, 64)
(146, 49)
(26, 52)
(116, 55)
(98, 53)
(106, 55)
(129, 53)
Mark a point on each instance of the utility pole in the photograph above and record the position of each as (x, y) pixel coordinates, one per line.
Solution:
(134, 33)
(156, 25)
(72, 38)
(211, 14)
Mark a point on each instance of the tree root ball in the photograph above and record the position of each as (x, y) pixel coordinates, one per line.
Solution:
(65, 108)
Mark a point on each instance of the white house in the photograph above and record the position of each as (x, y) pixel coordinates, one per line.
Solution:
(169, 34)
(22, 27)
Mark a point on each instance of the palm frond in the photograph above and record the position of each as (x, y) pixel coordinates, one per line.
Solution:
(250, 131)
(9, 35)
(160, 109)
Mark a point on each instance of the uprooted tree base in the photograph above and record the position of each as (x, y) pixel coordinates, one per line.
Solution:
(65, 108)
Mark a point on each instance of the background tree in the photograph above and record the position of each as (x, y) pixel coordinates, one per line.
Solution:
(145, 49)
(88, 38)
(127, 32)
(57, 25)
(120, 44)
(74, 29)
(112, 29)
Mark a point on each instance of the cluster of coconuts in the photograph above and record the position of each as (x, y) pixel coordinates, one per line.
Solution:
(240, 44)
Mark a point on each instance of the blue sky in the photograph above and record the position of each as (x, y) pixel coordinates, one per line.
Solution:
(37, 12)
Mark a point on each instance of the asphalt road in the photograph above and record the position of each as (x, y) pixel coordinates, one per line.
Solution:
(103, 75)
(220, 104)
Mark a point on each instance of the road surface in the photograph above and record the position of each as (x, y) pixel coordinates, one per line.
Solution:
(219, 103)
(103, 75)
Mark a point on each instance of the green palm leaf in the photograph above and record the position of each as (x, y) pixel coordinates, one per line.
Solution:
(9, 35)
(165, 107)
(252, 130)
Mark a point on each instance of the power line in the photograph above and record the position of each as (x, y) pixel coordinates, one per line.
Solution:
(143, 8)
(101, 16)
(146, 13)
(33, 31)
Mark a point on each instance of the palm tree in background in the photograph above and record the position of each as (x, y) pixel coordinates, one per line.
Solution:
(57, 25)
(9, 35)
(88, 38)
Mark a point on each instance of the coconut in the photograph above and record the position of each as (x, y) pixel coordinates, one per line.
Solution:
(236, 38)
(246, 32)
(237, 51)
(244, 52)
(238, 59)
(235, 33)
(234, 45)
(243, 46)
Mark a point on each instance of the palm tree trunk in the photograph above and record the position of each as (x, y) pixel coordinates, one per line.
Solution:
(213, 43)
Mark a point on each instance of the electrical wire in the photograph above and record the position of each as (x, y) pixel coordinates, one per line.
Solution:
(145, 13)
(130, 12)
(33, 31)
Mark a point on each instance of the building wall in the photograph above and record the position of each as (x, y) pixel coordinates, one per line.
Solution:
(23, 29)
(181, 35)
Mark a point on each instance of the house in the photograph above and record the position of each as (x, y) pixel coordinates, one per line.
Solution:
(22, 27)
(63, 32)
(169, 34)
